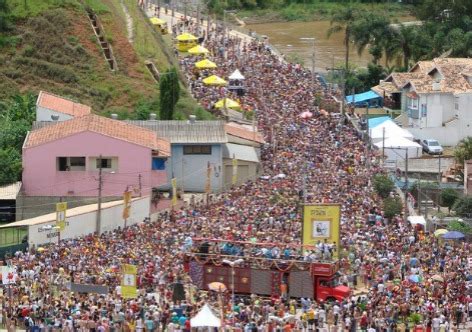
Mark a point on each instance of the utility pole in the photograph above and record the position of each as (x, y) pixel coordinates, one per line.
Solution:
(140, 185)
(383, 143)
(406, 184)
(439, 183)
(367, 136)
(99, 201)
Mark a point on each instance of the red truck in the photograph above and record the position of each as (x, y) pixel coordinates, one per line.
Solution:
(268, 277)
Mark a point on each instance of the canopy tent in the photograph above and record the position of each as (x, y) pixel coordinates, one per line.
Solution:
(368, 98)
(230, 103)
(157, 21)
(374, 122)
(186, 41)
(417, 220)
(236, 75)
(205, 318)
(391, 130)
(198, 50)
(395, 148)
(214, 80)
(453, 235)
(186, 37)
(205, 64)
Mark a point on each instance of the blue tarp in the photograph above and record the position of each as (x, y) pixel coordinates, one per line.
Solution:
(366, 98)
(374, 122)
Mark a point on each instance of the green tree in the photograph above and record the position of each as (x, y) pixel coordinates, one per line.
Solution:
(459, 226)
(10, 166)
(448, 197)
(392, 206)
(383, 185)
(343, 21)
(463, 150)
(169, 93)
(5, 18)
(401, 43)
(463, 207)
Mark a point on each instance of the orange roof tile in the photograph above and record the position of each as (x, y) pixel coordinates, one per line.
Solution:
(62, 105)
(237, 130)
(101, 125)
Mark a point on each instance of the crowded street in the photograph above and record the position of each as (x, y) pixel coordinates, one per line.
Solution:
(401, 277)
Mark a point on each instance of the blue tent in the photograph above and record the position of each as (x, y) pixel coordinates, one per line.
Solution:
(374, 122)
(366, 98)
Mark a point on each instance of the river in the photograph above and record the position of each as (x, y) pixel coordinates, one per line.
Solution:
(289, 38)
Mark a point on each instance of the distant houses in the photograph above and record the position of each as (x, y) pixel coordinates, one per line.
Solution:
(435, 98)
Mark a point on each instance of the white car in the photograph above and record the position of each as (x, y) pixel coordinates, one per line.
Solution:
(431, 146)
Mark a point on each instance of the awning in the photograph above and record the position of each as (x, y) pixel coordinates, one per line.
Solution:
(205, 318)
(240, 152)
(197, 50)
(236, 75)
(362, 97)
(374, 122)
(214, 80)
(205, 64)
(228, 103)
(186, 37)
(415, 220)
(157, 21)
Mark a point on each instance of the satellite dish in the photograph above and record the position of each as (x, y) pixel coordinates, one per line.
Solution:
(55, 117)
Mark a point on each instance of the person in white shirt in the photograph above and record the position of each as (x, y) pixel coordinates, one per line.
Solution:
(436, 324)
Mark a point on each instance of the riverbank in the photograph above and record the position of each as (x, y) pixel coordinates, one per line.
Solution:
(320, 11)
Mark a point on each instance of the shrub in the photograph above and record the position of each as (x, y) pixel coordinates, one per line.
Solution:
(383, 185)
(463, 206)
(460, 226)
(392, 206)
(449, 196)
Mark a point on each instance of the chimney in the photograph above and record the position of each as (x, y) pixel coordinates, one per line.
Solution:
(114, 116)
(152, 116)
(437, 85)
(192, 118)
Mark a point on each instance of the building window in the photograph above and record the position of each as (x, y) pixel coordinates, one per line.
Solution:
(197, 149)
(65, 164)
(158, 164)
(103, 162)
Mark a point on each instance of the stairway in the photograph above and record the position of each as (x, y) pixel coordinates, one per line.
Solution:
(104, 44)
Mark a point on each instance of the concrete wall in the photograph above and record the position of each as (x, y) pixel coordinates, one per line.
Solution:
(191, 170)
(33, 206)
(83, 224)
(44, 114)
(42, 178)
(446, 136)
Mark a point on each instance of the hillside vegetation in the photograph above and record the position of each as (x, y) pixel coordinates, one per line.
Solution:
(50, 45)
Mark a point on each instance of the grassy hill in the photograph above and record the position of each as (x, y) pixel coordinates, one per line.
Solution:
(51, 46)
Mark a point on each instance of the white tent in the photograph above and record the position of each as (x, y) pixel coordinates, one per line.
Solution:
(396, 147)
(415, 220)
(236, 75)
(205, 318)
(391, 130)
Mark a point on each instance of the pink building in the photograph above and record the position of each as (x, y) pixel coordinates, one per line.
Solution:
(64, 158)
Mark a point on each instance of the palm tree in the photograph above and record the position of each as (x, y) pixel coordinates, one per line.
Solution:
(343, 21)
(402, 42)
(463, 151)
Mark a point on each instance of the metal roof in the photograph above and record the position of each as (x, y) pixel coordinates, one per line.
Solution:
(10, 191)
(240, 152)
(200, 132)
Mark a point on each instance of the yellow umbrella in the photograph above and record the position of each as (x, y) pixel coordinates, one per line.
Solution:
(156, 21)
(214, 80)
(186, 37)
(217, 286)
(40, 249)
(197, 50)
(440, 232)
(205, 64)
(230, 103)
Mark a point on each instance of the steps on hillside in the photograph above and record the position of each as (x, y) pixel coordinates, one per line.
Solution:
(153, 70)
(104, 44)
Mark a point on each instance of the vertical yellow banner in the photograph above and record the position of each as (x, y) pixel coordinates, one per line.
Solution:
(234, 178)
(322, 222)
(126, 204)
(129, 288)
(208, 180)
(61, 209)
(174, 191)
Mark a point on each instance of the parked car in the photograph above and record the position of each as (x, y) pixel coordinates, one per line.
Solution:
(431, 146)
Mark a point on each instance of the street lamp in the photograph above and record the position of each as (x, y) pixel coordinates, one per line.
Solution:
(312, 57)
(232, 264)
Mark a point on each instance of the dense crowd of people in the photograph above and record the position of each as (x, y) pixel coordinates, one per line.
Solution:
(409, 277)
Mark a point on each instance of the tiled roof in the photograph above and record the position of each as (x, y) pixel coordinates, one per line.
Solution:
(62, 105)
(101, 125)
(422, 67)
(240, 131)
(385, 87)
(199, 132)
(10, 191)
